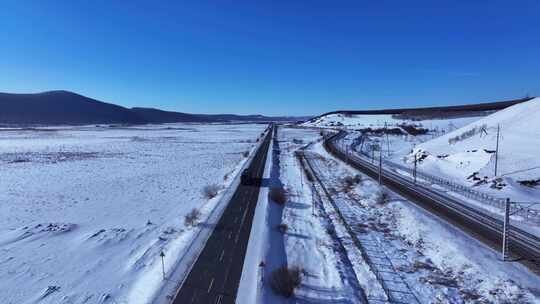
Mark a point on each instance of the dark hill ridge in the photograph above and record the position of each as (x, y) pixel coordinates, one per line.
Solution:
(67, 108)
(160, 116)
(61, 107)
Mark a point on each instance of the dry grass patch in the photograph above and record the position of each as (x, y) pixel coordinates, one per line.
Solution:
(278, 195)
(285, 280)
(383, 197)
(192, 218)
(210, 191)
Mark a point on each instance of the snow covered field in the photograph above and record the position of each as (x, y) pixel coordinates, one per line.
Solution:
(85, 211)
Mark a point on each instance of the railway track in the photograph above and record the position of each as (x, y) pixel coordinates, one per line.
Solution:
(523, 246)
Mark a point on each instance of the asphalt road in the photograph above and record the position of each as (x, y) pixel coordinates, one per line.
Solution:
(523, 245)
(215, 276)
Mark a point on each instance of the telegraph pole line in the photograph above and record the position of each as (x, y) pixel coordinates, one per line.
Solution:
(497, 148)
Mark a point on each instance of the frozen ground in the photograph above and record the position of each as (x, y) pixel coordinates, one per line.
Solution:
(85, 211)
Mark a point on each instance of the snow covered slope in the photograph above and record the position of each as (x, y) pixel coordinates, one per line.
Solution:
(360, 121)
(469, 149)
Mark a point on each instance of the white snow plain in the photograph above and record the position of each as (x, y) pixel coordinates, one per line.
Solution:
(85, 211)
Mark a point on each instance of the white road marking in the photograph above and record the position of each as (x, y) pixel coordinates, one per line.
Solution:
(210, 286)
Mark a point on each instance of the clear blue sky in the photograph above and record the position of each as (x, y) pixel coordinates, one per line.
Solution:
(273, 57)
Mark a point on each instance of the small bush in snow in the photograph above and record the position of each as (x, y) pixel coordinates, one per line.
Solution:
(350, 181)
(285, 280)
(192, 218)
(210, 191)
(331, 231)
(283, 228)
(245, 153)
(383, 197)
(297, 141)
(278, 195)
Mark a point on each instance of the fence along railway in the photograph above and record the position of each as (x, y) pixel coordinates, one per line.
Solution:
(521, 245)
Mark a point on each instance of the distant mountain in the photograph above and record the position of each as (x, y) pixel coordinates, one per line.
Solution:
(151, 115)
(68, 108)
(61, 107)
(161, 116)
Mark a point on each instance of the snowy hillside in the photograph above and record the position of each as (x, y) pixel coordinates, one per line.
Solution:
(360, 121)
(470, 149)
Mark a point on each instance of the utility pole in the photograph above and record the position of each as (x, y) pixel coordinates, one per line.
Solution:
(387, 141)
(506, 227)
(414, 172)
(162, 255)
(313, 199)
(497, 148)
(302, 172)
(380, 167)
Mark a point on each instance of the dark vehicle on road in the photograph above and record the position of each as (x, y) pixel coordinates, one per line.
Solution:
(246, 178)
